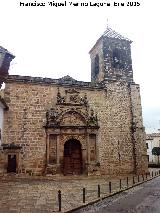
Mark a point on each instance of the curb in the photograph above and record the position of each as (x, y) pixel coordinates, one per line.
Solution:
(110, 195)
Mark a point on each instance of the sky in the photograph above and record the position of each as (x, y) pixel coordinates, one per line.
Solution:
(54, 41)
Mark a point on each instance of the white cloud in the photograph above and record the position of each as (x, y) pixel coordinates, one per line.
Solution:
(53, 42)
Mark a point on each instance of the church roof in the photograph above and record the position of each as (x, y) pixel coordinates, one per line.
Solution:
(3, 50)
(113, 34)
(110, 33)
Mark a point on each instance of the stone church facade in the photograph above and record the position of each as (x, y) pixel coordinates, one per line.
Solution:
(69, 127)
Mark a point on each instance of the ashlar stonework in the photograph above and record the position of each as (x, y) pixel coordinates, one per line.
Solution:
(69, 127)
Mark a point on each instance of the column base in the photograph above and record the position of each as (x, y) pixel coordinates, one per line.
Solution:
(93, 169)
(53, 169)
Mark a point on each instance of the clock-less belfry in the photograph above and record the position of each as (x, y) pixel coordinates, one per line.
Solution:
(111, 58)
(69, 127)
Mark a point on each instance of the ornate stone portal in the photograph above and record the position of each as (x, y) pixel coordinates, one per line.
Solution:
(71, 132)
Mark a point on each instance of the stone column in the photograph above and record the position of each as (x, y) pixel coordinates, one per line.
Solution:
(88, 152)
(88, 149)
(97, 149)
(58, 149)
(47, 148)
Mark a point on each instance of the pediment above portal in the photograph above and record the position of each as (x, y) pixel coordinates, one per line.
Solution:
(73, 118)
(71, 110)
(58, 117)
(66, 116)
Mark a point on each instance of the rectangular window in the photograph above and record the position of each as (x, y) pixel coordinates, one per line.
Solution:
(147, 145)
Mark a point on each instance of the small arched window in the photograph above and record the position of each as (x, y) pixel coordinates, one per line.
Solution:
(96, 65)
(118, 58)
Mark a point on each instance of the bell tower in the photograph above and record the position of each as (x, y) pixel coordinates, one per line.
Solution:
(111, 58)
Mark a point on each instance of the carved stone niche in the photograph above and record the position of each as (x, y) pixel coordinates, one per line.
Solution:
(60, 98)
(73, 118)
(72, 97)
(92, 119)
(51, 117)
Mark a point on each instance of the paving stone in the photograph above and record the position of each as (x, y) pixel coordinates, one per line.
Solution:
(28, 196)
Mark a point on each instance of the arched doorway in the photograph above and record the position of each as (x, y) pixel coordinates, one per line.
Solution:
(72, 157)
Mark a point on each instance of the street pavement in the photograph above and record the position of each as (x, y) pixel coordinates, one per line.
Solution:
(40, 194)
(144, 198)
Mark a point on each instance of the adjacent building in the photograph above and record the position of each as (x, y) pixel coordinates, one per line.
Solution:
(152, 140)
(3, 107)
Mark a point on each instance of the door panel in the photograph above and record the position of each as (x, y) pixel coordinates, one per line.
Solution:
(72, 157)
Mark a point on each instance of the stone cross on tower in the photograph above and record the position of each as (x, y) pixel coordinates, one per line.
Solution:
(107, 22)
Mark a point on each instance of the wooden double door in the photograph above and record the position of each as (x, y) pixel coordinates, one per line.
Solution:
(72, 158)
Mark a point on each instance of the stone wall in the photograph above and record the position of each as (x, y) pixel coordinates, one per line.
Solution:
(115, 148)
(3, 107)
(29, 101)
(138, 131)
(1, 120)
(97, 50)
